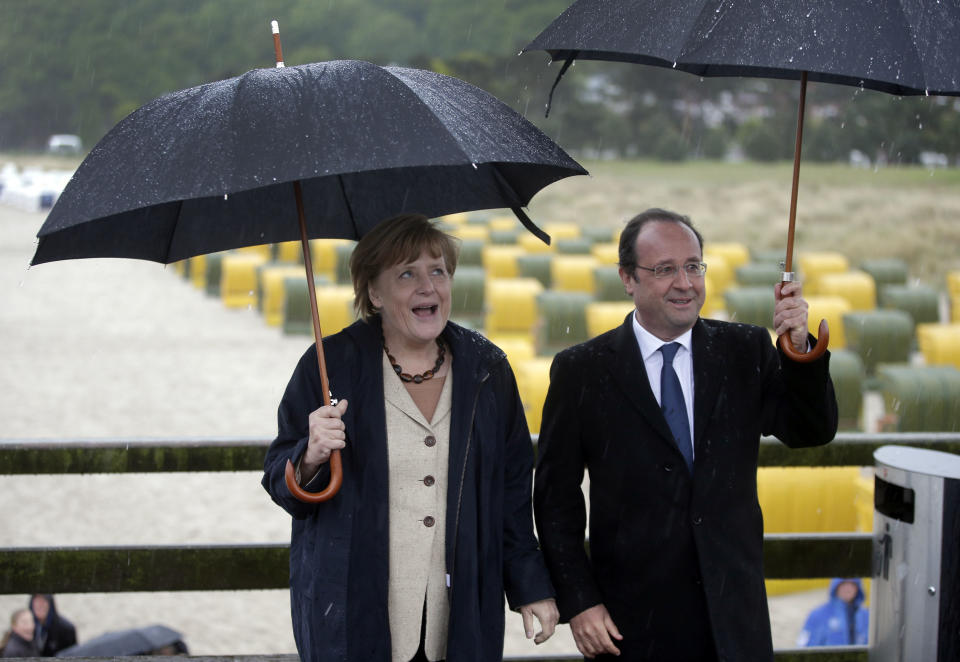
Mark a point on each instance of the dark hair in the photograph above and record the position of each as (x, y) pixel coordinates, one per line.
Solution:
(394, 241)
(628, 238)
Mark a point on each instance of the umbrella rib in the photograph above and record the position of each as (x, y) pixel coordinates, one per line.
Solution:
(432, 112)
(346, 202)
(916, 51)
(566, 65)
(176, 226)
(685, 43)
(517, 208)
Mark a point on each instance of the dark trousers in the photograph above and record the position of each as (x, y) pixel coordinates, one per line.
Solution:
(630, 653)
(647, 638)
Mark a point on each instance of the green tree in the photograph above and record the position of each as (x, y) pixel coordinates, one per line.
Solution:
(78, 66)
(761, 141)
(826, 140)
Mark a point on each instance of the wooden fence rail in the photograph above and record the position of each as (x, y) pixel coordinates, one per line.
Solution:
(264, 566)
(42, 456)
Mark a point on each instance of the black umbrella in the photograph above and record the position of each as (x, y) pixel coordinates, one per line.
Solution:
(210, 168)
(340, 145)
(134, 641)
(905, 48)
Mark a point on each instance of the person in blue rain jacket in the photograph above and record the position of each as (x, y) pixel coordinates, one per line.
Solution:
(842, 621)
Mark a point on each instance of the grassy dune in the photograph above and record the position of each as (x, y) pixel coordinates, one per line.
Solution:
(909, 213)
(905, 212)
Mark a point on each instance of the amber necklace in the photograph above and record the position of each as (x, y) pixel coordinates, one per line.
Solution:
(422, 377)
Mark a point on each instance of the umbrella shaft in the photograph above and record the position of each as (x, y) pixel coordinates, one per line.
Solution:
(312, 292)
(788, 264)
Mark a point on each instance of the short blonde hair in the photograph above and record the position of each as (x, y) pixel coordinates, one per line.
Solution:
(19, 612)
(395, 241)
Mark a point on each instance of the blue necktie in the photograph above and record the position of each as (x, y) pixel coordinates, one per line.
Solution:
(673, 405)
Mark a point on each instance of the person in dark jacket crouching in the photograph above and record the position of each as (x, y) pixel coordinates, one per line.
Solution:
(433, 523)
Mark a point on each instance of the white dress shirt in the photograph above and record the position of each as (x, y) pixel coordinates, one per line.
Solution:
(682, 364)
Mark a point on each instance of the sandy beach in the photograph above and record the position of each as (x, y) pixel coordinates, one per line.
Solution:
(127, 349)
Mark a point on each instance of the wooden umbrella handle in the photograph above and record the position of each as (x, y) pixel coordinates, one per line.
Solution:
(336, 480)
(823, 338)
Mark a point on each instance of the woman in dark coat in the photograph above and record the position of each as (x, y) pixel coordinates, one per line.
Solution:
(18, 640)
(411, 559)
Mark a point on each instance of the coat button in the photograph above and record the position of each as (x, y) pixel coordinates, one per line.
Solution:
(668, 467)
(428, 480)
(430, 441)
(429, 521)
(697, 520)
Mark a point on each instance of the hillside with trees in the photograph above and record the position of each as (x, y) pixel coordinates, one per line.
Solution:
(80, 67)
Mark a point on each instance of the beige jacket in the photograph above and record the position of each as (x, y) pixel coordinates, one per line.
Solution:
(417, 452)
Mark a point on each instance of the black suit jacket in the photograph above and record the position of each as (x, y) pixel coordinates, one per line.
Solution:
(677, 559)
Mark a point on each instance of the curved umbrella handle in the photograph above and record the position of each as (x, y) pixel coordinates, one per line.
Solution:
(336, 479)
(823, 338)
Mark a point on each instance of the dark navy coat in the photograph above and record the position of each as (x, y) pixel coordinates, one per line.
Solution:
(339, 549)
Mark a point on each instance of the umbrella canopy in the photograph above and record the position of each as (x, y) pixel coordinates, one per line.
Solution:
(894, 46)
(209, 168)
(135, 641)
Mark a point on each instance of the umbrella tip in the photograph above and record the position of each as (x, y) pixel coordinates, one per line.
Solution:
(277, 48)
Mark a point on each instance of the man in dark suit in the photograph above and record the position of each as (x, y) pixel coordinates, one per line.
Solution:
(670, 439)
